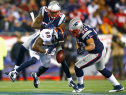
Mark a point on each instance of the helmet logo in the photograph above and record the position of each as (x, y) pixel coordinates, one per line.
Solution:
(76, 23)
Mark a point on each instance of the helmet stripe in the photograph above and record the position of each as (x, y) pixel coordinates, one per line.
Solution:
(56, 31)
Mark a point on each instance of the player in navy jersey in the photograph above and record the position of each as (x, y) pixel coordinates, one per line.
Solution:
(87, 35)
(48, 18)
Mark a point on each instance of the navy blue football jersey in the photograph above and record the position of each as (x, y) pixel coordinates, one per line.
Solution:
(88, 33)
(58, 21)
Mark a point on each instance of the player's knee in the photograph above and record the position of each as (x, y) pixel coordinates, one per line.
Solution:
(76, 68)
(45, 68)
(99, 69)
(34, 60)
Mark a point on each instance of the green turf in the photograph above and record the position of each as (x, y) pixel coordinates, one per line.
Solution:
(49, 87)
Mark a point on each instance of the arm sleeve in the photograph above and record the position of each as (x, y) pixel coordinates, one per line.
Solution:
(62, 19)
(42, 9)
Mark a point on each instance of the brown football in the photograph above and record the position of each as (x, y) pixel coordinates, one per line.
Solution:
(60, 56)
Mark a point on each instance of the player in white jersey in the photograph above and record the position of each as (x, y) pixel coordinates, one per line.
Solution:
(52, 18)
(41, 49)
(88, 36)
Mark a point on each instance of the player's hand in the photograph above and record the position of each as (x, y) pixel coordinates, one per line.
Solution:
(51, 50)
(81, 50)
(49, 26)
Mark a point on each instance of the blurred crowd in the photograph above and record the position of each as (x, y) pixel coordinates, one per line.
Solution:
(102, 15)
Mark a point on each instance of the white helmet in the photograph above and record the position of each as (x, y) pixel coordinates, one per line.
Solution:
(75, 27)
(54, 10)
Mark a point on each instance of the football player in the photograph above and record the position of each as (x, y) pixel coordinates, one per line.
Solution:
(51, 18)
(87, 35)
(43, 47)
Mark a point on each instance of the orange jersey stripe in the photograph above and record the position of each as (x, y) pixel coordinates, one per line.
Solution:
(61, 31)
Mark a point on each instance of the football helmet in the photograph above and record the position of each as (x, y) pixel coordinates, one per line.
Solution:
(75, 27)
(53, 10)
(59, 35)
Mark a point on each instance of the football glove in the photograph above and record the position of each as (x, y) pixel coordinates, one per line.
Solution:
(81, 50)
(51, 50)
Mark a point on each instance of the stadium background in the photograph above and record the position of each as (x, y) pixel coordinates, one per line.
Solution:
(17, 12)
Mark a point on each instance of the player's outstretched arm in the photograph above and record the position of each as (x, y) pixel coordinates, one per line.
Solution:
(37, 23)
(37, 45)
(90, 45)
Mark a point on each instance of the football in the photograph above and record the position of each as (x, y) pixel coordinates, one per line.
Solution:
(60, 56)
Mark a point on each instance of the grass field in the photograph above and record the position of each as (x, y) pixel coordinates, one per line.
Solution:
(49, 87)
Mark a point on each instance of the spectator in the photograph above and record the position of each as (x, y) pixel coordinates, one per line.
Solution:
(106, 27)
(70, 6)
(76, 14)
(27, 26)
(43, 3)
(3, 53)
(35, 10)
(84, 11)
(23, 17)
(120, 20)
(32, 4)
(4, 8)
(117, 47)
(17, 27)
(24, 6)
(14, 54)
(120, 4)
(5, 25)
(103, 9)
(92, 7)
(14, 12)
(81, 2)
(93, 20)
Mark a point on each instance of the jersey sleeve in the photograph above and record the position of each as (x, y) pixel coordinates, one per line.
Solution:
(87, 35)
(62, 19)
(42, 9)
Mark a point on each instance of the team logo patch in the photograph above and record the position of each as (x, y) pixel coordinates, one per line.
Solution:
(76, 23)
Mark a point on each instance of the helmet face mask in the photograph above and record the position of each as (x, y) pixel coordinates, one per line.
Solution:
(53, 14)
(75, 27)
(75, 32)
(54, 10)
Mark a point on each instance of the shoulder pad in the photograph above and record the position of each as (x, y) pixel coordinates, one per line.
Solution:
(62, 19)
(85, 34)
(42, 9)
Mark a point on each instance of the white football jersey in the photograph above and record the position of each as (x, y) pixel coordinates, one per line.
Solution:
(46, 36)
